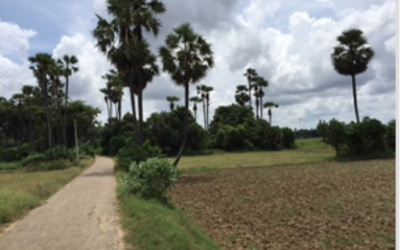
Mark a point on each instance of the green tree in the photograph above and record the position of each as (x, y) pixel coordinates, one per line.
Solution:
(251, 75)
(67, 65)
(187, 57)
(351, 57)
(122, 40)
(41, 65)
(195, 100)
(261, 83)
(270, 106)
(241, 95)
(172, 100)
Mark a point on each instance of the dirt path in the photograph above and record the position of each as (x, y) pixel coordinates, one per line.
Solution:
(82, 216)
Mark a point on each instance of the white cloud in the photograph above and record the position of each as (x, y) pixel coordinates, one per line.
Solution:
(14, 39)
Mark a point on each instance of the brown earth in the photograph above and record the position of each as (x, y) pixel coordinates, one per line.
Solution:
(82, 216)
(309, 206)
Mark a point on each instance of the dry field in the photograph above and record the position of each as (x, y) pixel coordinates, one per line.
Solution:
(307, 206)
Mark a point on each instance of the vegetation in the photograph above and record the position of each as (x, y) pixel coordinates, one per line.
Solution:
(187, 57)
(351, 58)
(369, 138)
(22, 191)
(151, 179)
(151, 225)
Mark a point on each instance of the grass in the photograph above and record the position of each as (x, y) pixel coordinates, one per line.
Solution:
(9, 166)
(151, 225)
(22, 191)
(307, 151)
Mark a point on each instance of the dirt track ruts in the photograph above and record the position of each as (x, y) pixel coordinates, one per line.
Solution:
(82, 216)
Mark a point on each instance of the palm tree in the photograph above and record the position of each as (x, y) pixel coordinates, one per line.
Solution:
(269, 106)
(41, 66)
(257, 96)
(351, 57)
(55, 92)
(195, 100)
(187, 57)
(207, 91)
(202, 93)
(172, 100)
(67, 65)
(251, 75)
(122, 40)
(261, 83)
(241, 95)
(107, 95)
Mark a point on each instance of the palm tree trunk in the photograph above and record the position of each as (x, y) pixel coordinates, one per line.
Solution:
(270, 116)
(204, 113)
(353, 77)
(140, 99)
(261, 108)
(133, 105)
(48, 115)
(185, 133)
(257, 104)
(65, 117)
(249, 94)
(208, 107)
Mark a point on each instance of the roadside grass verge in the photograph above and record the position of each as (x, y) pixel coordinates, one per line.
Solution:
(22, 191)
(306, 151)
(9, 166)
(151, 225)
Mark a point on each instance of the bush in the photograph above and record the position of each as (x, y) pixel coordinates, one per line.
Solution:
(14, 154)
(151, 178)
(116, 144)
(391, 135)
(288, 138)
(132, 152)
(33, 158)
(367, 138)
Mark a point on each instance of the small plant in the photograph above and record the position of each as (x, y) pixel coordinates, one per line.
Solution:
(151, 178)
(33, 158)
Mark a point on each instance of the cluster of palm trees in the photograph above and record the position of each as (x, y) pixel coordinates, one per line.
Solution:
(48, 72)
(186, 56)
(255, 87)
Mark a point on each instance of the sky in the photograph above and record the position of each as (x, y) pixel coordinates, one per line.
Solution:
(289, 43)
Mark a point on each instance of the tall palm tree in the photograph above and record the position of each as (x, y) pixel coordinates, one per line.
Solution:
(55, 92)
(261, 83)
(202, 93)
(68, 67)
(257, 97)
(241, 95)
(251, 75)
(351, 57)
(122, 40)
(187, 57)
(172, 100)
(41, 65)
(107, 99)
(195, 100)
(207, 91)
(270, 106)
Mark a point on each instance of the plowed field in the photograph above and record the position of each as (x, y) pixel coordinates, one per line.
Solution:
(306, 206)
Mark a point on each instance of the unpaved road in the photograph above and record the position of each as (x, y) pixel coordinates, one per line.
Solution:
(82, 216)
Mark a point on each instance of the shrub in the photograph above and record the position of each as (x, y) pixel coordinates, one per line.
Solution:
(334, 134)
(132, 152)
(116, 144)
(391, 135)
(151, 178)
(33, 158)
(288, 138)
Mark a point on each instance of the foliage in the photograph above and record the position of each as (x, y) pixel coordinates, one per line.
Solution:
(288, 138)
(153, 225)
(151, 179)
(14, 153)
(165, 130)
(116, 144)
(133, 153)
(391, 134)
(368, 138)
(33, 158)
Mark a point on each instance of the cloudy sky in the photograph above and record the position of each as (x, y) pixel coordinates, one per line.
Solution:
(288, 42)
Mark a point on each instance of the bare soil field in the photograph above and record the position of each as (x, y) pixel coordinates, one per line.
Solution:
(307, 206)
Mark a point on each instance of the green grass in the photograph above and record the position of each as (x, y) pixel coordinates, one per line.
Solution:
(9, 166)
(22, 191)
(151, 225)
(307, 151)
